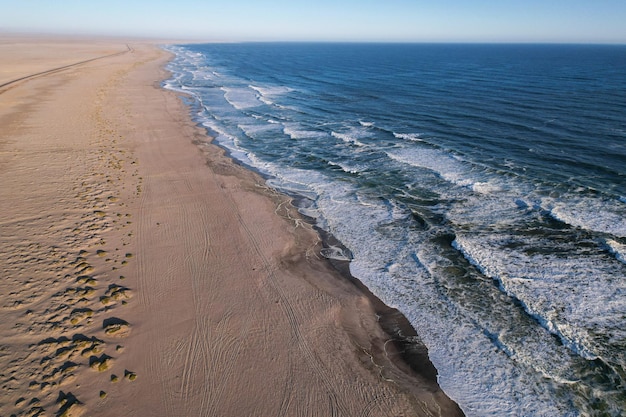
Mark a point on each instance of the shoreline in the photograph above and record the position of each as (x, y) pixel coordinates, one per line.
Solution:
(182, 273)
(409, 347)
(412, 353)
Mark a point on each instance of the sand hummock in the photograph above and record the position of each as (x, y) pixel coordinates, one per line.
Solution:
(146, 274)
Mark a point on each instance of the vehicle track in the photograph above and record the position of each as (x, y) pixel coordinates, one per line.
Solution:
(10, 84)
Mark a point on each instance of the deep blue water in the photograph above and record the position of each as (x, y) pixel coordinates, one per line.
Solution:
(480, 189)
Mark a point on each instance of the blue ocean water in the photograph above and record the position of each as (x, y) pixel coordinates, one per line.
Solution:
(480, 189)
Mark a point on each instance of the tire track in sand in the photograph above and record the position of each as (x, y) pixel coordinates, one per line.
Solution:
(10, 84)
(210, 351)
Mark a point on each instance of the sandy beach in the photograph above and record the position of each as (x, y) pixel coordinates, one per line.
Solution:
(144, 273)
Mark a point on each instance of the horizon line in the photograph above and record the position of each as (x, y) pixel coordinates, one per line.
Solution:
(198, 39)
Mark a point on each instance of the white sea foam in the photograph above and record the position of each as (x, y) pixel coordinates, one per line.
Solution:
(486, 187)
(437, 161)
(450, 168)
(204, 74)
(337, 253)
(351, 136)
(241, 98)
(229, 142)
(267, 94)
(293, 181)
(259, 129)
(599, 215)
(538, 280)
(413, 137)
(296, 131)
(346, 168)
(269, 91)
(617, 249)
(176, 87)
(499, 390)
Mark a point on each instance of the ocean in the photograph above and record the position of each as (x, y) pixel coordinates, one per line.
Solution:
(479, 189)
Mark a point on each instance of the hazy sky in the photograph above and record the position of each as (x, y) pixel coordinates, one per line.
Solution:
(338, 20)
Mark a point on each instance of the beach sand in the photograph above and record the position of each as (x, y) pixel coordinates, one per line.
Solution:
(146, 274)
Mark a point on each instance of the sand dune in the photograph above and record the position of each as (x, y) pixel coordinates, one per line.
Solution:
(146, 274)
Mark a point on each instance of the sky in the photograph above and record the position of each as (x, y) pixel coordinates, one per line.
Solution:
(577, 21)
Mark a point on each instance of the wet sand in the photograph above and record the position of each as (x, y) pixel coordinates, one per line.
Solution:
(144, 273)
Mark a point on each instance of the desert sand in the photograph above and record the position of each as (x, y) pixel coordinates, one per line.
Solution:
(146, 274)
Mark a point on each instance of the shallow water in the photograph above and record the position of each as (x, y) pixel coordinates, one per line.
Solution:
(480, 189)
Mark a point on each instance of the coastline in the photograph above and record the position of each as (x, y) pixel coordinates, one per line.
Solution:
(200, 288)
